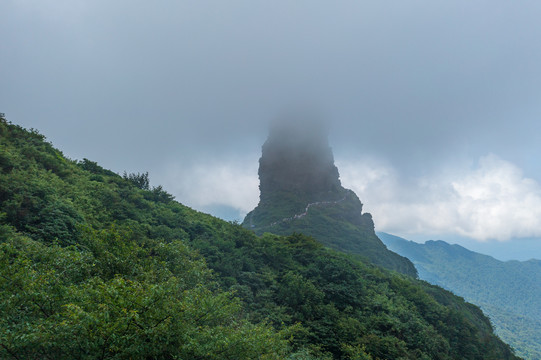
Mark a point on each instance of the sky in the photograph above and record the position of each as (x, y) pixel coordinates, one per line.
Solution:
(433, 105)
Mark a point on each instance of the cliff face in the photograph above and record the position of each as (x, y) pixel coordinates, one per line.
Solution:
(296, 157)
(300, 191)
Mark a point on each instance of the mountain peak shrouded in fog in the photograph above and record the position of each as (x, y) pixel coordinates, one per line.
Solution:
(297, 157)
(300, 191)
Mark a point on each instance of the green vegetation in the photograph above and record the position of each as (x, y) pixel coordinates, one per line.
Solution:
(508, 292)
(109, 298)
(347, 307)
(335, 219)
(84, 274)
(94, 265)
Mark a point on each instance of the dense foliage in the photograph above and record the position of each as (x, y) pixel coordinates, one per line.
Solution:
(347, 308)
(94, 265)
(108, 298)
(83, 274)
(335, 219)
(509, 292)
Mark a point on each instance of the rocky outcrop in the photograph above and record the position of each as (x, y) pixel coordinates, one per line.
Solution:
(297, 157)
(300, 191)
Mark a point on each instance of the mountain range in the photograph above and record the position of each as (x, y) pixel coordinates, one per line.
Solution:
(509, 292)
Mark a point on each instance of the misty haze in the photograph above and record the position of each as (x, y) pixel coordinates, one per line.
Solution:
(270, 180)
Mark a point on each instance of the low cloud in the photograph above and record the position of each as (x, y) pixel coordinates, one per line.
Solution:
(209, 184)
(490, 201)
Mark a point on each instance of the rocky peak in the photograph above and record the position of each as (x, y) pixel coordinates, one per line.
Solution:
(297, 157)
(300, 191)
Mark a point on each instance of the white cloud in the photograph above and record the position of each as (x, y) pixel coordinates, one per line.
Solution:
(493, 201)
(205, 184)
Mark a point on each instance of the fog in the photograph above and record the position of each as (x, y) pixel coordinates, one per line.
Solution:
(433, 107)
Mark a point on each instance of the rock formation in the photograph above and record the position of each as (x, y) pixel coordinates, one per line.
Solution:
(300, 191)
(297, 157)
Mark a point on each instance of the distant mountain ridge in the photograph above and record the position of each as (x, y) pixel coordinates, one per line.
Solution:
(509, 292)
(300, 191)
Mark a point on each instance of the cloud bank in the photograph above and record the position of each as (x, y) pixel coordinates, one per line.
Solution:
(208, 185)
(171, 87)
(491, 200)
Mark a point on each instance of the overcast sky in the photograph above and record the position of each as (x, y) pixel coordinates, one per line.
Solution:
(435, 105)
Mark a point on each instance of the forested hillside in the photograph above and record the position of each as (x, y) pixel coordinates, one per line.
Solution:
(508, 292)
(94, 265)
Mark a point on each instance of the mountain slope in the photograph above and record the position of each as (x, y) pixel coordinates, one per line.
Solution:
(84, 274)
(95, 265)
(300, 191)
(509, 292)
